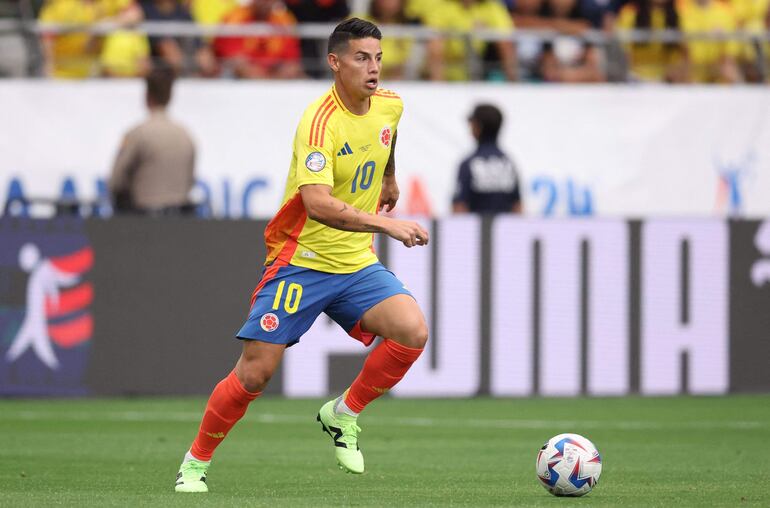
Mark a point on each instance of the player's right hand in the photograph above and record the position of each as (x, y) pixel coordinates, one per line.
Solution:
(407, 232)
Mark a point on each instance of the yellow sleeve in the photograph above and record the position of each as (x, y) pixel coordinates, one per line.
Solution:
(729, 24)
(123, 52)
(439, 17)
(627, 17)
(421, 9)
(496, 16)
(111, 8)
(687, 22)
(399, 111)
(314, 147)
(49, 13)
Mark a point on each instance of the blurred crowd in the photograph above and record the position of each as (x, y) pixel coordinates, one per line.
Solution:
(557, 41)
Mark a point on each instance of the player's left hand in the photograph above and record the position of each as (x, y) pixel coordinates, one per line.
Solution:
(389, 194)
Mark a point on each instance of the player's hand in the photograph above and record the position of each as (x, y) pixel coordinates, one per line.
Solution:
(389, 194)
(407, 232)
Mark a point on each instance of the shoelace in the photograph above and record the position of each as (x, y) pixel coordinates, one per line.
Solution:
(350, 434)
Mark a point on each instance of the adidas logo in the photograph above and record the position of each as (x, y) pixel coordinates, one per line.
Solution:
(346, 150)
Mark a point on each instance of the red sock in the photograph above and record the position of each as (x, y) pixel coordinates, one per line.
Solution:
(227, 404)
(383, 368)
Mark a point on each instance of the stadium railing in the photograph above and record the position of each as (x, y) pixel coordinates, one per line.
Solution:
(420, 34)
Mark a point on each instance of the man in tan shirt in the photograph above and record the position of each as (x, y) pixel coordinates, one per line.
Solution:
(154, 170)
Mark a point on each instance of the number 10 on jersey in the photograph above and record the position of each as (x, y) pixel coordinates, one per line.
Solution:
(366, 174)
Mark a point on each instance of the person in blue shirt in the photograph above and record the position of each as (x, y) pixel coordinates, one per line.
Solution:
(487, 180)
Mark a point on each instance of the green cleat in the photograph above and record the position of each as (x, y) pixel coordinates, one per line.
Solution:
(192, 476)
(344, 432)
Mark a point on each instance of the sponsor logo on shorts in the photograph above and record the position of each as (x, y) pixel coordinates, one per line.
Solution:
(385, 136)
(269, 322)
(315, 162)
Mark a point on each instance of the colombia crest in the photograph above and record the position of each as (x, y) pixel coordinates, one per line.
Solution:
(385, 136)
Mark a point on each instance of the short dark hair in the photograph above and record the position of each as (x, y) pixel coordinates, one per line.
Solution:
(489, 119)
(350, 29)
(159, 84)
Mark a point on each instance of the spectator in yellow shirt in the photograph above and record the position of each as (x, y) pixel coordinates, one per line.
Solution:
(396, 51)
(125, 54)
(709, 61)
(211, 12)
(420, 9)
(652, 60)
(752, 16)
(75, 55)
(448, 56)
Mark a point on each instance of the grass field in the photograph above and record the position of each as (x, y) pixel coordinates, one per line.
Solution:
(481, 452)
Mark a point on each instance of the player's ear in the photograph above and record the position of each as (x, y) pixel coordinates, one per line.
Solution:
(334, 62)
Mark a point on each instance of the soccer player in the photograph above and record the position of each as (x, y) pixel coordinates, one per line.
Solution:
(320, 257)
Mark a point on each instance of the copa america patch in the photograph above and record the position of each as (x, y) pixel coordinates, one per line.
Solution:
(269, 322)
(315, 162)
(385, 136)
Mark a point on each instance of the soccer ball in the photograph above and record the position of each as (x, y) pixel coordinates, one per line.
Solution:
(568, 465)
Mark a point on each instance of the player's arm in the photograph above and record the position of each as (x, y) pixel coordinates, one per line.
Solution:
(322, 207)
(125, 164)
(390, 193)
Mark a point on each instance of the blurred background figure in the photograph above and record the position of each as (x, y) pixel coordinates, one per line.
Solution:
(401, 58)
(125, 54)
(272, 57)
(752, 16)
(569, 58)
(185, 55)
(154, 169)
(654, 60)
(76, 54)
(15, 47)
(600, 14)
(487, 180)
(527, 15)
(211, 12)
(709, 61)
(448, 57)
(317, 11)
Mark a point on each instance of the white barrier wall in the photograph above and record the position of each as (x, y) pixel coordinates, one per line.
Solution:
(586, 150)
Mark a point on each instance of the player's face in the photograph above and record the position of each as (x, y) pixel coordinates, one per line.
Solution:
(359, 66)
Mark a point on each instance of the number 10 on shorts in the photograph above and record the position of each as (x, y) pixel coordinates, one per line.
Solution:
(293, 296)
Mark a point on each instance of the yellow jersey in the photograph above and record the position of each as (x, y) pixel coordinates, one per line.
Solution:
(649, 60)
(454, 15)
(211, 12)
(75, 54)
(750, 16)
(714, 17)
(125, 54)
(347, 152)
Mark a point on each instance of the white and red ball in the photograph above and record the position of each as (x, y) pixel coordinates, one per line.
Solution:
(568, 465)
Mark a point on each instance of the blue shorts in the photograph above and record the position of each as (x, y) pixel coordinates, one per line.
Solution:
(288, 299)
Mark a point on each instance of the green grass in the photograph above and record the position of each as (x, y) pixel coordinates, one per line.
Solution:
(481, 452)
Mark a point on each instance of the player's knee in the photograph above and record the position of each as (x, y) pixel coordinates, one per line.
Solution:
(420, 336)
(415, 334)
(254, 378)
